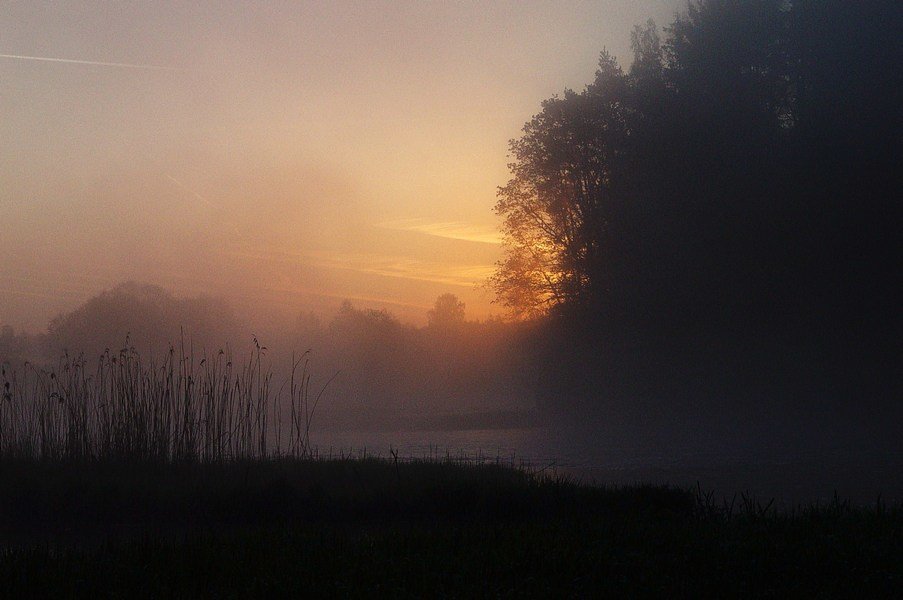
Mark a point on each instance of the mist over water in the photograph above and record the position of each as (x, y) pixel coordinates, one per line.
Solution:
(481, 391)
(792, 474)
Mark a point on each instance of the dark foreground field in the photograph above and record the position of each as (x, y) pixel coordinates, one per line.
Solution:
(365, 527)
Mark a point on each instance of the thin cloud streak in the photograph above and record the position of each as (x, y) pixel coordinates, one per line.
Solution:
(94, 63)
(385, 266)
(404, 268)
(227, 220)
(189, 190)
(455, 230)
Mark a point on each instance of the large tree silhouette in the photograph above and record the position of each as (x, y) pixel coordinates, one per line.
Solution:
(566, 176)
(731, 195)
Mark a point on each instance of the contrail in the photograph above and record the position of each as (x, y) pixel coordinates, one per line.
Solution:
(95, 63)
(202, 199)
(189, 190)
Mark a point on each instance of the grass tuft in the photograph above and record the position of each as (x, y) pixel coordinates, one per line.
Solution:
(182, 409)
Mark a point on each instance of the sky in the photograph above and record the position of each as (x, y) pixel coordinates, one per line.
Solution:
(284, 155)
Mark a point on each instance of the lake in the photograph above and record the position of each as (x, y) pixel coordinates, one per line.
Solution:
(789, 473)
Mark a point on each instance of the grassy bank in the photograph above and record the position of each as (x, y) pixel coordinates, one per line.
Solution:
(376, 527)
(194, 477)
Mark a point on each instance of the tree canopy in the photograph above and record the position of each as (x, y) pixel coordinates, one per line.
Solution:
(737, 183)
(448, 312)
(714, 174)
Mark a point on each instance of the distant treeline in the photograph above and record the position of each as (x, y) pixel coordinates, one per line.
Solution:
(389, 372)
(380, 372)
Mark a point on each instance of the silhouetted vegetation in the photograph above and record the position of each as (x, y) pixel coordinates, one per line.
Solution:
(14, 348)
(190, 477)
(375, 527)
(717, 227)
(448, 313)
(391, 374)
(185, 408)
(382, 373)
(146, 314)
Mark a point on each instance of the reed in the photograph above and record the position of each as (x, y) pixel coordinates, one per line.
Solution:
(181, 408)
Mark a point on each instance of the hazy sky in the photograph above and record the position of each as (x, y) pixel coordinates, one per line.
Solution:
(285, 155)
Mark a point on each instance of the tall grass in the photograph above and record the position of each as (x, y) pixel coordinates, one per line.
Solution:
(183, 408)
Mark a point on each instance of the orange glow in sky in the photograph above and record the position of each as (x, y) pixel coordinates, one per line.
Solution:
(284, 155)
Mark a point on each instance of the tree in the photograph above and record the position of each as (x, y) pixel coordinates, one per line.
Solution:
(568, 180)
(148, 316)
(13, 347)
(650, 193)
(448, 312)
(730, 202)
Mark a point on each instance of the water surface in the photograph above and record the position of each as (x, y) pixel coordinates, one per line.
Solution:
(790, 473)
